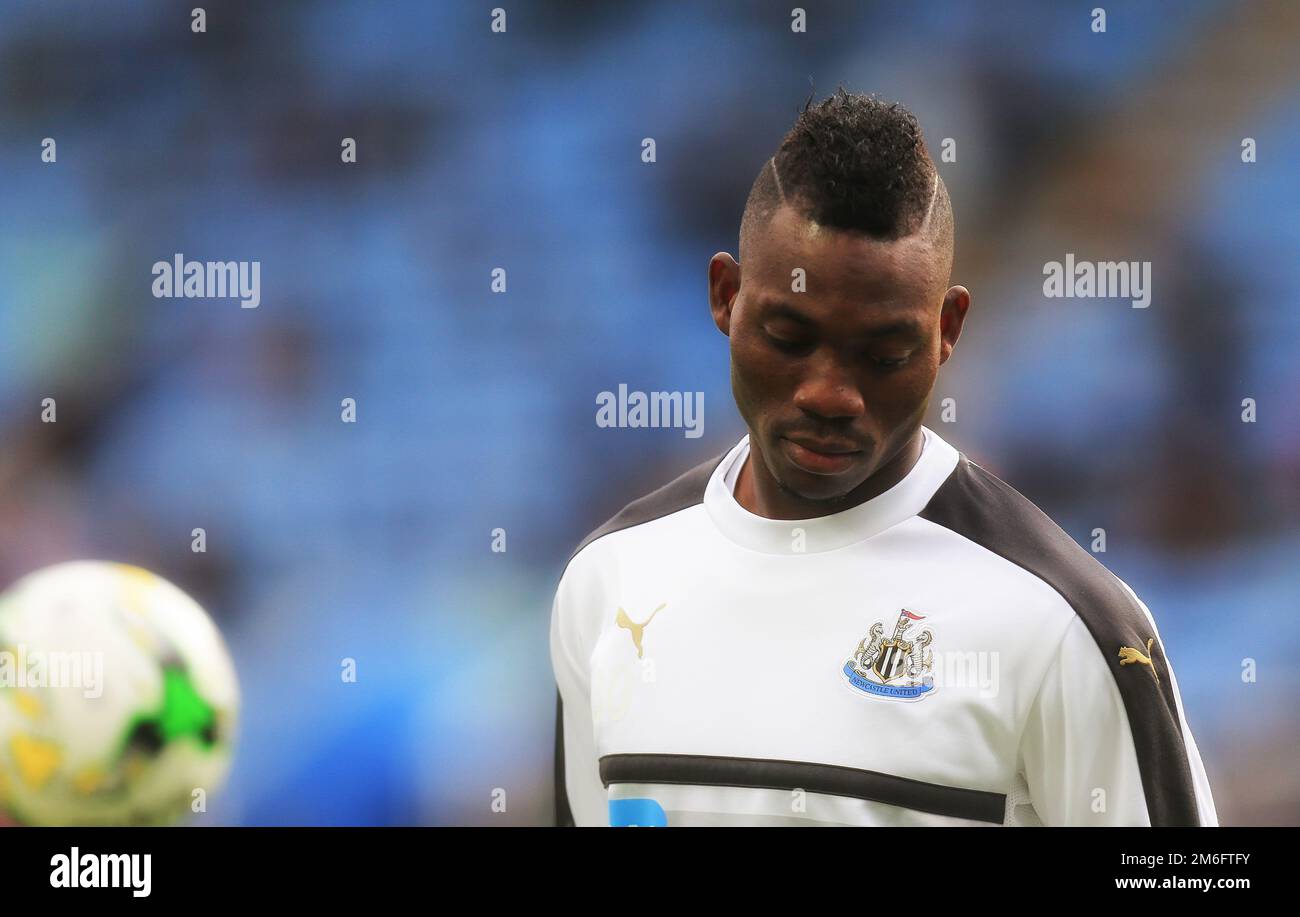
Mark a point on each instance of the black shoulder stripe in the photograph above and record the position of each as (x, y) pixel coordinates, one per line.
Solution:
(976, 504)
(684, 491)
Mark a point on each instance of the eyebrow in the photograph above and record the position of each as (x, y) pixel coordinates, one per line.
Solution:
(902, 326)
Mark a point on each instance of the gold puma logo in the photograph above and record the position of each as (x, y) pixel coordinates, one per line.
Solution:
(638, 630)
(1128, 656)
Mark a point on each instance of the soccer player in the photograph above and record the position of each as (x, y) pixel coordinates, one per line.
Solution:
(843, 620)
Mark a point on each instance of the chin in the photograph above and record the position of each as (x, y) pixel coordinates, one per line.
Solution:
(819, 488)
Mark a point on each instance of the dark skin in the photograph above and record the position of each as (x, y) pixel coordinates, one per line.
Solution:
(833, 382)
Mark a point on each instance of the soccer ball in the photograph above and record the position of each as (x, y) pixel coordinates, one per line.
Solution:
(118, 699)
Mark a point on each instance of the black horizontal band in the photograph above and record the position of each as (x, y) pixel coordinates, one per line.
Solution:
(828, 779)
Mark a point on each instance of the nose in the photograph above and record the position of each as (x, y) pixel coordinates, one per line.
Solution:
(829, 391)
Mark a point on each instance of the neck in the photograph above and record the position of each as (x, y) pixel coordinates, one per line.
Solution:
(759, 493)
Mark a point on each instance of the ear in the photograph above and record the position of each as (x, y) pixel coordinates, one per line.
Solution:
(724, 286)
(951, 320)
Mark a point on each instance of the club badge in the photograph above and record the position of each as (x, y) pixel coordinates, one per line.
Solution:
(894, 668)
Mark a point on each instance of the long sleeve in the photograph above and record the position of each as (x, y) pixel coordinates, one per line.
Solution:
(580, 797)
(1078, 756)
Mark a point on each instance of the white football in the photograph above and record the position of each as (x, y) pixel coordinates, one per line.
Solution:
(118, 699)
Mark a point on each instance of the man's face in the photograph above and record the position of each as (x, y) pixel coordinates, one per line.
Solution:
(833, 382)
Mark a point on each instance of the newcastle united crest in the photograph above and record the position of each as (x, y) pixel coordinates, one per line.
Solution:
(894, 667)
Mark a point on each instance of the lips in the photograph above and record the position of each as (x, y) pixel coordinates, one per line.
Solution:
(820, 456)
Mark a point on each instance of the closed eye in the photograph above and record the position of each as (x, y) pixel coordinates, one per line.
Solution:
(788, 345)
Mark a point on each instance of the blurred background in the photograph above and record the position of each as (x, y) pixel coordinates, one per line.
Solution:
(476, 410)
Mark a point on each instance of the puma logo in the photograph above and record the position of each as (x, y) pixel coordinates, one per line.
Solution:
(637, 630)
(1128, 656)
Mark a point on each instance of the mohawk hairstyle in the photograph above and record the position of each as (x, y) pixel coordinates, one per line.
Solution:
(854, 162)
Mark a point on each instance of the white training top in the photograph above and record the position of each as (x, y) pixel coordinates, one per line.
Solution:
(942, 654)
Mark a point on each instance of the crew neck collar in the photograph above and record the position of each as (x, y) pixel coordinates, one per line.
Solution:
(827, 533)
